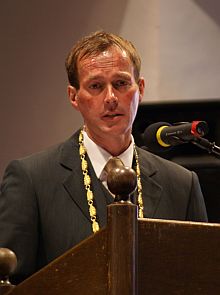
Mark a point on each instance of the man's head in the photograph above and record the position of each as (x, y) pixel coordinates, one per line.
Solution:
(93, 45)
(106, 88)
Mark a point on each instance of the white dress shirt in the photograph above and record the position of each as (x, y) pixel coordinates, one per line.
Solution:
(99, 157)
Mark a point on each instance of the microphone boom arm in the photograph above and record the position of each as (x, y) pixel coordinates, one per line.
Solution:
(205, 144)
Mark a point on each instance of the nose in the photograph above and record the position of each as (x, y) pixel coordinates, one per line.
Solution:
(111, 99)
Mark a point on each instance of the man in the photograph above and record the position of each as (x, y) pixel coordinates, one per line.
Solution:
(46, 206)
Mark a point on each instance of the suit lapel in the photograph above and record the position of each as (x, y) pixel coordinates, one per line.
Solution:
(73, 183)
(151, 189)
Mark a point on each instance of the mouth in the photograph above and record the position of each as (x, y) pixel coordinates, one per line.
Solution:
(112, 115)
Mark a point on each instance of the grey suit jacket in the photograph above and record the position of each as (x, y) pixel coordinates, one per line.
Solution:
(44, 211)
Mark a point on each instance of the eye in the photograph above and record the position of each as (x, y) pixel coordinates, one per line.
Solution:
(95, 85)
(121, 84)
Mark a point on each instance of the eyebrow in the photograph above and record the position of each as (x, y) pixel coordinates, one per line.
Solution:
(117, 75)
(94, 77)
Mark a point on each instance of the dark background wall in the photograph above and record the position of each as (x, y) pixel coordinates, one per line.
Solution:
(178, 40)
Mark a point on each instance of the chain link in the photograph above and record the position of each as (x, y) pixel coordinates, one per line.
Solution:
(87, 184)
(139, 185)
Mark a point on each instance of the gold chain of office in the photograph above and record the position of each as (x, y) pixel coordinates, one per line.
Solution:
(87, 184)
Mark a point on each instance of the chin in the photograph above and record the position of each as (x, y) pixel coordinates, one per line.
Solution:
(116, 130)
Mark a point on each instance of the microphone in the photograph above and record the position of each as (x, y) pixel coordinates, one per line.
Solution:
(161, 135)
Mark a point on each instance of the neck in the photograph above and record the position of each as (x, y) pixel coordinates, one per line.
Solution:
(114, 145)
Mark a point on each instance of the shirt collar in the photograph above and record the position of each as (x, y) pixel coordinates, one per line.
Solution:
(99, 157)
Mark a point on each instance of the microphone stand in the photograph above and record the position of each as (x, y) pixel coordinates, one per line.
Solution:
(205, 144)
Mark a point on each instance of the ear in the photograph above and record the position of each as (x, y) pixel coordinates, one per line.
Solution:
(72, 94)
(141, 86)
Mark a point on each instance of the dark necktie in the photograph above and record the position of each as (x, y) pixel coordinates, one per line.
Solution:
(113, 162)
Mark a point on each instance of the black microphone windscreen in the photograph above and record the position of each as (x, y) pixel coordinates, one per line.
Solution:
(150, 139)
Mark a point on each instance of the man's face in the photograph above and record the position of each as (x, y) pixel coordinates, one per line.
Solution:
(108, 95)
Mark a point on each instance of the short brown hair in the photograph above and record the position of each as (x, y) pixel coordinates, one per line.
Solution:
(94, 44)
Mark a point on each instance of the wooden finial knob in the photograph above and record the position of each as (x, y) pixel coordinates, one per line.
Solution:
(122, 182)
(8, 263)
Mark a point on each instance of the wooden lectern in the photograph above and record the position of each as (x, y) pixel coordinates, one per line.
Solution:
(131, 256)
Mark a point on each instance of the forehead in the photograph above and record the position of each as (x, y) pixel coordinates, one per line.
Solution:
(112, 59)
